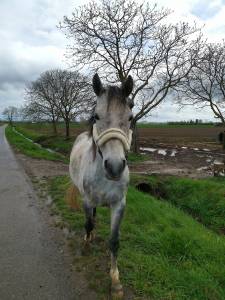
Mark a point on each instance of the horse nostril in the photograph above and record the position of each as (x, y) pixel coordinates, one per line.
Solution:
(115, 167)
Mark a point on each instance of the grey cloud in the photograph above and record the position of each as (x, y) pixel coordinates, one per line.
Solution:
(30, 43)
(169, 111)
(205, 10)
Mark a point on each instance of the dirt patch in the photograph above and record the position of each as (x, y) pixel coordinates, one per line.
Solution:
(42, 168)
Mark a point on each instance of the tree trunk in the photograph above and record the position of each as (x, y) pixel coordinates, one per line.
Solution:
(67, 123)
(10, 121)
(54, 127)
(223, 140)
(135, 141)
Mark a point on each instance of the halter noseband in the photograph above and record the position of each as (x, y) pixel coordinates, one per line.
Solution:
(112, 133)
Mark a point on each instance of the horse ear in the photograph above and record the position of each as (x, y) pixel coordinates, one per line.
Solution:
(97, 85)
(127, 86)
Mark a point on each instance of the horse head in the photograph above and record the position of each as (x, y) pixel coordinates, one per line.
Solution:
(112, 121)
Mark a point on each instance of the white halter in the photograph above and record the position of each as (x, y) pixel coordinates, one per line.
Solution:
(112, 133)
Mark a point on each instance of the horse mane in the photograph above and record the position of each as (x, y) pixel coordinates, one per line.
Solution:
(91, 122)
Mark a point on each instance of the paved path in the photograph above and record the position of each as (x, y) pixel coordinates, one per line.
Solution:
(31, 265)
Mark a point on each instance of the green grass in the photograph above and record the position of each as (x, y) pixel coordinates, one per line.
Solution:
(164, 253)
(137, 157)
(204, 199)
(29, 148)
(55, 143)
(45, 127)
(34, 135)
(58, 143)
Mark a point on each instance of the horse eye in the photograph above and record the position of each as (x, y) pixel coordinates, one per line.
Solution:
(131, 118)
(96, 117)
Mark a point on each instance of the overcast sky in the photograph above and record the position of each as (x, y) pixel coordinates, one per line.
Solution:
(30, 43)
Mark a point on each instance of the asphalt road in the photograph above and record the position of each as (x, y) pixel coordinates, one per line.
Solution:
(31, 263)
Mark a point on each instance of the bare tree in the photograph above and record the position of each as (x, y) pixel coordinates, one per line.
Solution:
(10, 112)
(74, 96)
(33, 111)
(124, 37)
(205, 84)
(58, 94)
(41, 100)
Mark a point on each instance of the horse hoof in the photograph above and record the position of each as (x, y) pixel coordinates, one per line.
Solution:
(90, 238)
(117, 291)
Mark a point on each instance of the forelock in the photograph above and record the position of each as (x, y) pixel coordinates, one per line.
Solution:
(115, 94)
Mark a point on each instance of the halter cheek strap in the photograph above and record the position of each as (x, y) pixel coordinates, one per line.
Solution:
(112, 133)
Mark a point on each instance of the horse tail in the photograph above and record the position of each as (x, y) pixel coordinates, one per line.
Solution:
(72, 197)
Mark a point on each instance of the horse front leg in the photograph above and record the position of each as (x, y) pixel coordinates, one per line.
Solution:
(90, 213)
(117, 212)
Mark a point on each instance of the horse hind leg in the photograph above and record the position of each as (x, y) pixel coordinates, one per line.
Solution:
(90, 213)
(116, 217)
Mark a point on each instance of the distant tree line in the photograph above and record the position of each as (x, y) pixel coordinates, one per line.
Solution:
(191, 122)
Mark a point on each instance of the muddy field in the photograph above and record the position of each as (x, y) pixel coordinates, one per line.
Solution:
(202, 137)
(182, 151)
(182, 136)
(191, 152)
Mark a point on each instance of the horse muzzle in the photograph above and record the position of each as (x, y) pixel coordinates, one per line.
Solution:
(114, 168)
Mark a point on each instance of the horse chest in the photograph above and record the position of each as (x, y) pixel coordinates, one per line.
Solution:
(101, 191)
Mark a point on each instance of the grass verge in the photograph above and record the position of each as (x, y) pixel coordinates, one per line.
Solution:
(203, 199)
(29, 148)
(137, 157)
(164, 253)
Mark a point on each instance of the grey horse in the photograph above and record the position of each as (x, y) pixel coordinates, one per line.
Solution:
(98, 163)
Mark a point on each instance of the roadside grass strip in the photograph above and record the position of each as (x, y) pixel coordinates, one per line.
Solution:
(164, 253)
(28, 147)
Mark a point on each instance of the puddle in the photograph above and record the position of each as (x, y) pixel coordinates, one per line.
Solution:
(148, 149)
(159, 151)
(173, 153)
(217, 162)
(206, 149)
(203, 168)
(196, 149)
(184, 147)
(162, 152)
